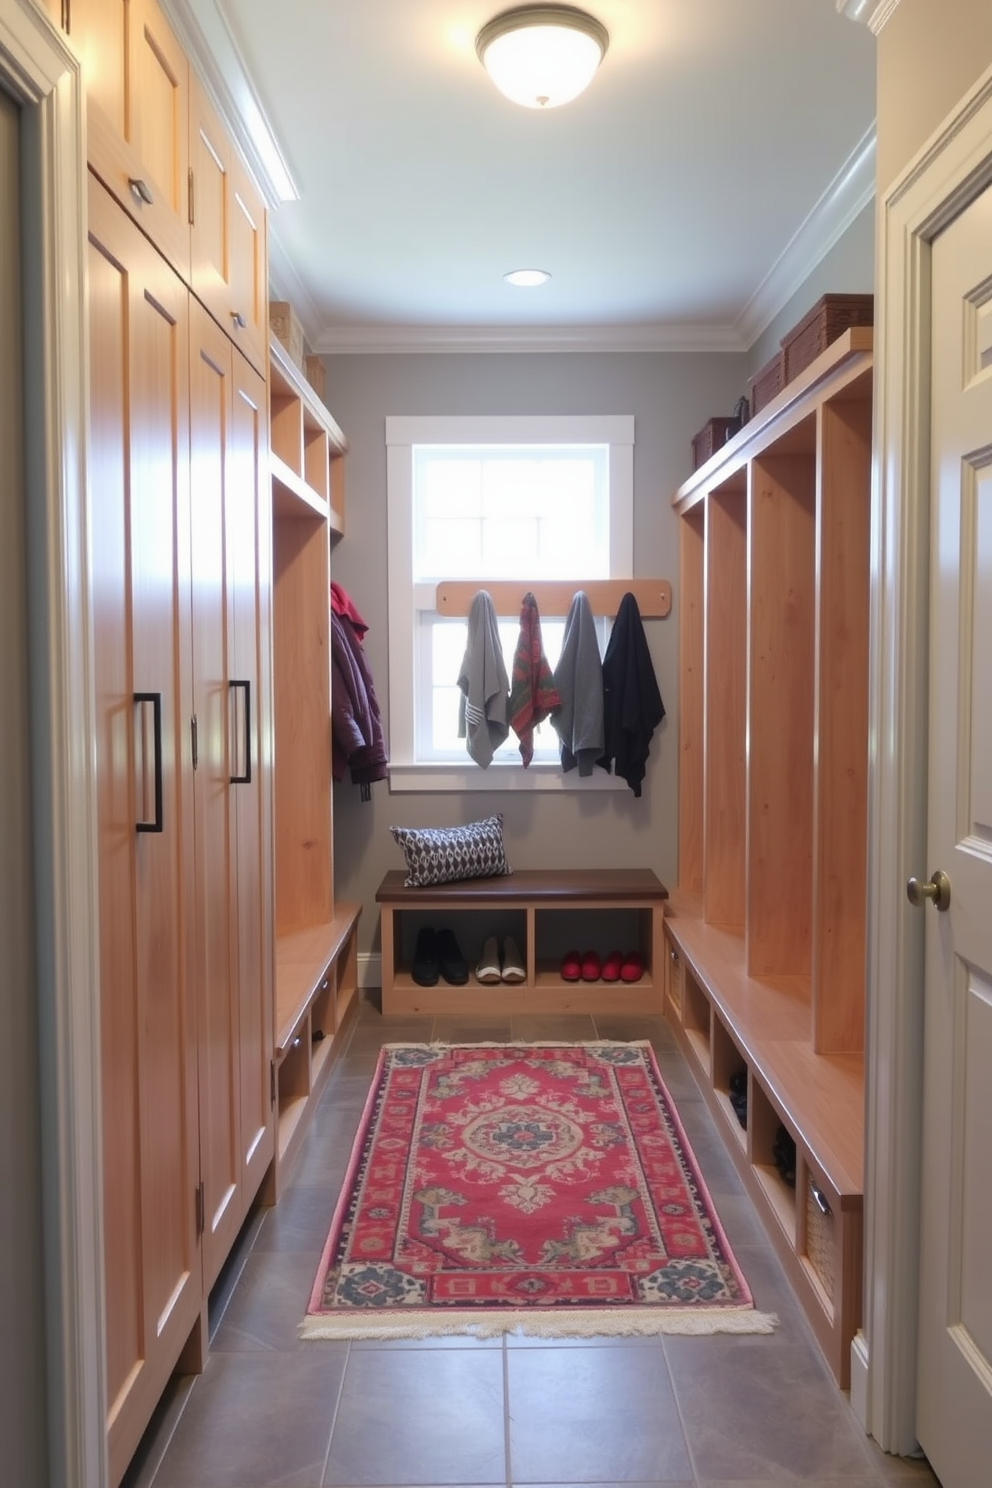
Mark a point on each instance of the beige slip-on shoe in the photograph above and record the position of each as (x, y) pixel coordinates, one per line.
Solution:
(488, 970)
(513, 965)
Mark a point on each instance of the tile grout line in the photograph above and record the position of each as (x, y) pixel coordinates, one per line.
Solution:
(506, 1415)
(334, 1416)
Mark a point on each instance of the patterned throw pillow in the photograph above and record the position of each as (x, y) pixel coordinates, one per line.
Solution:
(436, 855)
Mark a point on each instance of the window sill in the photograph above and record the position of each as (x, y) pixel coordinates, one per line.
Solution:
(537, 777)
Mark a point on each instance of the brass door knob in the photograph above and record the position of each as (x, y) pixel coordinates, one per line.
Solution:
(936, 891)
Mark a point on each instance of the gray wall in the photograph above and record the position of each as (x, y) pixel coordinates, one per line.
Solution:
(848, 268)
(671, 396)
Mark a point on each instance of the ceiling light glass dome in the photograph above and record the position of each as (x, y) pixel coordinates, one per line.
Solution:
(541, 56)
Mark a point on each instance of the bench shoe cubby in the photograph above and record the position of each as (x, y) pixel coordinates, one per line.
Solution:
(548, 913)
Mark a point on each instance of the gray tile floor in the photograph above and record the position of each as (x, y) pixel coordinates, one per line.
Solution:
(272, 1412)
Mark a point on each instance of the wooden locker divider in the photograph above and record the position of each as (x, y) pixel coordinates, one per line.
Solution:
(780, 714)
(841, 784)
(691, 678)
(726, 703)
(302, 701)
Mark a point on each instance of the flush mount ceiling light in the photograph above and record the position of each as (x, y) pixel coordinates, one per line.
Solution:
(542, 55)
(527, 278)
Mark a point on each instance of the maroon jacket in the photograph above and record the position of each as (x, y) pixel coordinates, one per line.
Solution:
(356, 726)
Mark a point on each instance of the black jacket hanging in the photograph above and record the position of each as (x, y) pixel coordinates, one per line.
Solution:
(356, 727)
(632, 705)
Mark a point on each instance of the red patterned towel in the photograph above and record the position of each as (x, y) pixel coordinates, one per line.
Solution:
(533, 694)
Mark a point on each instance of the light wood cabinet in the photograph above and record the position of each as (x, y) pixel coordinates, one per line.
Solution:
(137, 115)
(248, 552)
(139, 480)
(766, 931)
(233, 968)
(228, 269)
(157, 144)
(181, 597)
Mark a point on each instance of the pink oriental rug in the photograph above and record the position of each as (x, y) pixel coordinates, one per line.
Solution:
(546, 1188)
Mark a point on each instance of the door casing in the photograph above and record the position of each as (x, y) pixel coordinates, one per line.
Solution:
(954, 167)
(39, 71)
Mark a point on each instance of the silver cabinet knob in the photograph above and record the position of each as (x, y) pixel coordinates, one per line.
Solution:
(140, 190)
(936, 891)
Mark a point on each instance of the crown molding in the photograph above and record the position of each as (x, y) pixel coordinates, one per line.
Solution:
(870, 13)
(286, 284)
(207, 39)
(883, 13)
(848, 194)
(342, 340)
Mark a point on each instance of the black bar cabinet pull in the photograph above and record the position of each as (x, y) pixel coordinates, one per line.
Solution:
(155, 698)
(244, 779)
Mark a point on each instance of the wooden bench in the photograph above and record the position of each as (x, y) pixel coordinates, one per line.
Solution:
(728, 1022)
(316, 999)
(548, 912)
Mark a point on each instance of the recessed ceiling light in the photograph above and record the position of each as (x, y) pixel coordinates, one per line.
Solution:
(527, 278)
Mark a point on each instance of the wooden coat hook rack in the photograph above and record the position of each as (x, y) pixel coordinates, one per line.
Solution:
(554, 596)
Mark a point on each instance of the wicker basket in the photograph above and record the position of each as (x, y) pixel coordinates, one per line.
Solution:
(763, 386)
(829, 318)
(315, 375)
(286, 328)
(820, 1236)
(675, 981)
(711, 437)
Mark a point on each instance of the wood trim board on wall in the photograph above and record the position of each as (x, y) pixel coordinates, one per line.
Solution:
(554, 597)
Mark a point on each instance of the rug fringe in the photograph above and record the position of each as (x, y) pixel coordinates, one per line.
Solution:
(527, 1044)
(604, 1323)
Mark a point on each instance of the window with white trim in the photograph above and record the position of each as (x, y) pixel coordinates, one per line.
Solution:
(478, 499)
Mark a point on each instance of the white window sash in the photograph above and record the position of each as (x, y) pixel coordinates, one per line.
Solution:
(407, 600)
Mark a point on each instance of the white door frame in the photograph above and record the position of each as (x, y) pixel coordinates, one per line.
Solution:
(38, 69)
(951, 169)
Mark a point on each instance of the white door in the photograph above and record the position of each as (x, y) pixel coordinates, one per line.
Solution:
(954, 1398)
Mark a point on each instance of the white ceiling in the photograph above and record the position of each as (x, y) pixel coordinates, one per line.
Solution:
(720, 150)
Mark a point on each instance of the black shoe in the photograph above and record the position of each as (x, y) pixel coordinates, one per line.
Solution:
(426, 965)
(454, 967)
(738, 1096)
(784, 1156)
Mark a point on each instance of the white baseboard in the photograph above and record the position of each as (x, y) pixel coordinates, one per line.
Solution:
(859, 1378)
(369, 970)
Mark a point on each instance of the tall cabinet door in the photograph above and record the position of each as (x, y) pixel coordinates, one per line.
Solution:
(213, 871)
(249, 582)
(137, 94)
(138, 494)
(229, 273)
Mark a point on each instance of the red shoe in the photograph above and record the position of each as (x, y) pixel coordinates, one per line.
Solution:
(590, 967)
(612, 967)
(632, 968)
(571, 966)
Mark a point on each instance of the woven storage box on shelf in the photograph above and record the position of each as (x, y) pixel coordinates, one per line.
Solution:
(315, 375)
(675, 980)
(829, 318)
(763, 386)
(714, 434)
(819, 1238)
(286, 328)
